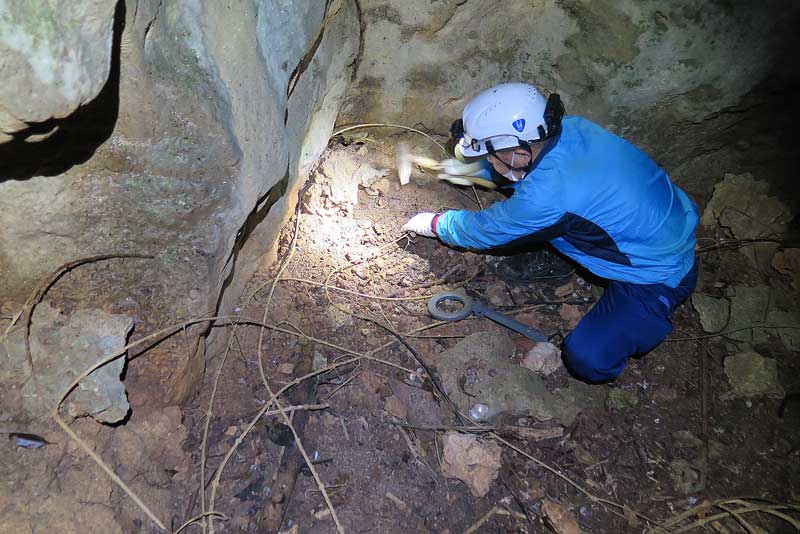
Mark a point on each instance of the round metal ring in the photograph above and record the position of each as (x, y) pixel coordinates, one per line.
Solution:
(463, 313)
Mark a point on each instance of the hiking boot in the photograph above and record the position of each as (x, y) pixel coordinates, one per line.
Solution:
(539, 265)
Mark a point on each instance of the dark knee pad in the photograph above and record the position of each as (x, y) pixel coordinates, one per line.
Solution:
(588, 363)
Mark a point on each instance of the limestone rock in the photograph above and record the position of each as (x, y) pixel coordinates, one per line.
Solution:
(741, 204)
(714, 312)
(656, 71)
(752, 307)
(55, 56)
(752, 375)
(478, 370)
(62, 348)
(787, 262)
(471, 460)
(749, 306)
(543, 358)
(790, 337)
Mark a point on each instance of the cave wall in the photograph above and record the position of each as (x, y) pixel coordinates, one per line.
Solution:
(165, 128)
(676, 77)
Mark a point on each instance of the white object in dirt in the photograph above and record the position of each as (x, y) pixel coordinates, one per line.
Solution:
(403, 164)
(479, 412)
(543, 358)
(452, 170)
(474, 462)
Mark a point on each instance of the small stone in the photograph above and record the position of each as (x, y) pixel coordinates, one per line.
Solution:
(752, 375)
(543, 358)
(383, 185)
(714, 312)
(231, 430)
(473, 461)
(566, 289)
(620, 399)
(286, 368)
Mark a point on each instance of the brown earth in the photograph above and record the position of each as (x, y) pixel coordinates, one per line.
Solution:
(626, 453)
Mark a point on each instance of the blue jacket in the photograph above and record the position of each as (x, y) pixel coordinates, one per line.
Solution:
(599, 200)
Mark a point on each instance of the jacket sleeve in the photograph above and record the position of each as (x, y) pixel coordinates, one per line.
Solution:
(529, 212)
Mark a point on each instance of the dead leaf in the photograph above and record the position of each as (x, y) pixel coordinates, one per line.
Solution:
(630, 515)
(571, 314)
(474, 462)
(559, 518)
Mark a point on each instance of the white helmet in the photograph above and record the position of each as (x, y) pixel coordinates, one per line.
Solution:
(506, 116)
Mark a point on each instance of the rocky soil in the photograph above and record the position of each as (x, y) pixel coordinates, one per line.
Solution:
(706, 416)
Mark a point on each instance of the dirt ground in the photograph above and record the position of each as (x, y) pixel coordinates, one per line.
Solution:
(658, 442)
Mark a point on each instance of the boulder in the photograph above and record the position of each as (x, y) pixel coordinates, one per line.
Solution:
(478, 370)
(54, 57)
(63, 347)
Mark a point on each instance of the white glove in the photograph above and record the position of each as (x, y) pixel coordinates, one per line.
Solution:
(420, 224)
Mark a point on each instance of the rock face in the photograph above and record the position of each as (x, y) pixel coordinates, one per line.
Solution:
(659, 74)
(54, 57)
(63, 347)
(189, 147)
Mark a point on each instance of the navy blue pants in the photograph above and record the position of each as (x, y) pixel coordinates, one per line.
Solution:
(628, 320)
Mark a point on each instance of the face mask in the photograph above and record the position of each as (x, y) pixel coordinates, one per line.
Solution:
(510, 173)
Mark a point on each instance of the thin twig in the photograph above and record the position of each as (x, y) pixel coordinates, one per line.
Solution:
(39, 292)
(433, 377)
(719, 334)
(199, 517)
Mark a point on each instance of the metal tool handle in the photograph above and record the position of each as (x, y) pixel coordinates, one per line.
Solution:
(528, 331)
